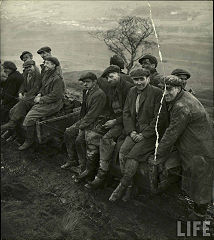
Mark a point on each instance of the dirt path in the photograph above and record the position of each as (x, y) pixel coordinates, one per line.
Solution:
(41, 201)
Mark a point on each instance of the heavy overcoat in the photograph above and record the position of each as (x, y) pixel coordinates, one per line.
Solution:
(52, 93)
(93, 106)
(10, 89)
(190, 131)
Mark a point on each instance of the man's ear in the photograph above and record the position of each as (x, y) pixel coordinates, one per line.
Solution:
(153, 65)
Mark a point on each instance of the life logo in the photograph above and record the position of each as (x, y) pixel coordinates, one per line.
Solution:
(193, 229)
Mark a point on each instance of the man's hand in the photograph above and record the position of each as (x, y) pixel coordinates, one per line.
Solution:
(139, 137)
(21, 96)
(133, 135)
(110, 123)
(136, 137)
(37, 98)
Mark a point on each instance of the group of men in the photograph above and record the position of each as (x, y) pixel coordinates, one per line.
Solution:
(117, 107)
(31, 95)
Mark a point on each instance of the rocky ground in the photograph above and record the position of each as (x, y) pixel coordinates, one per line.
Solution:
(41, 201)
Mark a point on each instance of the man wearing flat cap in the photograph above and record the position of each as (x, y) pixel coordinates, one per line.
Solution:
(27, 92)
(150, 63)
(10, 89)
(139, 118)
(190, 132)
(25, 56)
(116, 92)
(184, 75)
(75, 137)
(118, 61)
(49, 99)
(45, 52)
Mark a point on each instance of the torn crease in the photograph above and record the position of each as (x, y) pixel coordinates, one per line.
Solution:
(161, 102)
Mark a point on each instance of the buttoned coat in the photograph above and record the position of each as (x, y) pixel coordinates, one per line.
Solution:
(92, 107)
(145, 121)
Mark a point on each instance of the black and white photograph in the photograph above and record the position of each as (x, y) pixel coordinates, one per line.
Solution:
(107, 120)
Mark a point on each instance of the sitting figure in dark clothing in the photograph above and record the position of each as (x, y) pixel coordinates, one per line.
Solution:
(27, 92)
(94, 100)
(48, 101)
(10, 88)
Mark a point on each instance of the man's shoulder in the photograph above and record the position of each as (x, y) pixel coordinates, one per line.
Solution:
(126, 79)
(15, 75)
(98, 92)
(155, 90)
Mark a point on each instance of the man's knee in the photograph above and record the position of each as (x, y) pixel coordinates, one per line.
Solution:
(80, 139)
(131, 166)
(70, 133)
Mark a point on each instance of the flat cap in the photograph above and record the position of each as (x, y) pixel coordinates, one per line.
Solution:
(110, 69)
(44, 49)
(173, 80)
(53, 60)
(117, 60)
(151, 58)
(139, 73)
(25, 52)
(10, 65)
(178, 72)
(88, 75)
(29, 63)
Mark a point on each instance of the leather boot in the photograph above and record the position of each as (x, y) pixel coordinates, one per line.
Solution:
(98, 181)
(118, 192)
(69, 164)
(199, 212)
(29, 140)
(10, 125)
(87, 174)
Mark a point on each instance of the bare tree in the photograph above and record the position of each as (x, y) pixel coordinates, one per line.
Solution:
(129, 39)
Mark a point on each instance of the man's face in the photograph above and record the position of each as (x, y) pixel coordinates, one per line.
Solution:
(147, 65)
(171, 92)
(44, 55)
(88, 84)
(49, 65)
(113, 78)
(7, 71)
(30, 69)
(184, 78)
(141, 82)
(26, 57)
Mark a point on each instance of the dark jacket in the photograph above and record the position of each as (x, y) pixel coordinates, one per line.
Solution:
(155, 78)
(10, 89)
(92, 107)
(122, 90)
(191, 132)
(31, 87)
(144, 122)
(52, 90)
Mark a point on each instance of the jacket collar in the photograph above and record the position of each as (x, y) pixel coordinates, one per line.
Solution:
(94, 89)
(143, 96)
(171, 104)
(50, 76)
